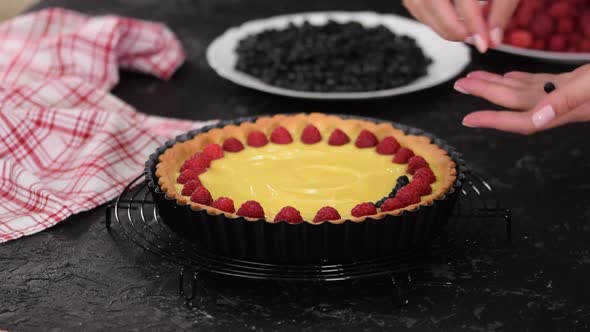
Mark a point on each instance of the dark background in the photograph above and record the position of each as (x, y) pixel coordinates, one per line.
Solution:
(78, 276)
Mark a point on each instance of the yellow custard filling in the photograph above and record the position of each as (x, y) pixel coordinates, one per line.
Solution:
(306, 177)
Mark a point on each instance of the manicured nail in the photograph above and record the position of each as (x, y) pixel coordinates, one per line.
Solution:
(496, 35)
(467, 124)
(480, 44)
(542, 117)
(460, 89)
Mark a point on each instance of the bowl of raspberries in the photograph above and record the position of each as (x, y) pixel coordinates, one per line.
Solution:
(554, 30)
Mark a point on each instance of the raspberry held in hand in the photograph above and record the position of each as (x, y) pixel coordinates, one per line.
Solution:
(289, 214)
(251, 209)
(366, 139)
(338, 138)
(364, 209)
(326, 213)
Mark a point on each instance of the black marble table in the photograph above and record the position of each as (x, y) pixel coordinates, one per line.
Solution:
(78, 276)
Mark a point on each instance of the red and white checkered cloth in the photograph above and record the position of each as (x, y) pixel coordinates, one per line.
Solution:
(66, 144)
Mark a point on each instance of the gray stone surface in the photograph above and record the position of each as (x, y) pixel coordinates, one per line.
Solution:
(79, 276)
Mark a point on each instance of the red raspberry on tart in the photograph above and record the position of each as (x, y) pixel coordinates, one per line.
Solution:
(388, 145)
(251, 209)
(213, 151)
(202, 196)
(233, 144)
(311, 134)
(224, 204)
(289, 214)
(338, 137)
(403, 155)
(326, 213)
(364, 209)
(366, 139)
(257, 139)
(281, 136)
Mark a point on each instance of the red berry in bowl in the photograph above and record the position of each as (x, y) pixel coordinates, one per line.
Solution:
(520, 38)
(557, 43)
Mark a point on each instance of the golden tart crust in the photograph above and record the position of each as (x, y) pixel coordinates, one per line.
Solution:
(171, 160)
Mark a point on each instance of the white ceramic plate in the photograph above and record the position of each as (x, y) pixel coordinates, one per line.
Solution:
(559, 57)
(449, 58)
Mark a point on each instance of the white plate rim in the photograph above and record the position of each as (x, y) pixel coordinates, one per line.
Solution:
(229, 73)
(562, 57)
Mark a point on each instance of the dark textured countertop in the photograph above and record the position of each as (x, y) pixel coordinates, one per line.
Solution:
(79, 276)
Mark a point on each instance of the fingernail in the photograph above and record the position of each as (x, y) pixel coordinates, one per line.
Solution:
(469, 40)
(460, 89)
(467, 124)
(480, 44)
(542, 117)
(496, 35)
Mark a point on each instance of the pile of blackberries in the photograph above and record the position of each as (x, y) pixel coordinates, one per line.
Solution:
(335, 57)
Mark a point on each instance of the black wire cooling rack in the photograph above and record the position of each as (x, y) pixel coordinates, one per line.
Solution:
(137, 218)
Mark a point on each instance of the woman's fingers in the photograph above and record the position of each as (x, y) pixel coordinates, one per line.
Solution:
(440, 15)
(514, 122)
(520, 122)
(476, 25)
(495, 78)
(500, 13)
(519, 98)
(564, 99)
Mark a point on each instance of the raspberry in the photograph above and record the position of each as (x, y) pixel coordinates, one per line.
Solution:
(190, 187)
(391, 204)
(585, 46)
(565, 25)
(198, 163)
(366, 139)
(364, 209)
(408, 195)
(186, 176)
(338, 137)
(251, 209)
(232, 144)
(224, 204)
(559, 10)
(281, 136)
(542, 26)
(326, 213)
(524, 17)
(310, 134)
(403, 155)
(289, 214)
(557, 43)
(538, 44)
(425, 174)
(257, 139)
(388, 145)
(416, 163)
(201, 195)
(213, 151)
(520, 38)
(421, 186)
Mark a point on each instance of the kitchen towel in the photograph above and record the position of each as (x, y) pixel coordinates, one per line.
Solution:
(66, 144)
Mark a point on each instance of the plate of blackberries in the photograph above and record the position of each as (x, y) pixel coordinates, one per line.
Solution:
(336, 55)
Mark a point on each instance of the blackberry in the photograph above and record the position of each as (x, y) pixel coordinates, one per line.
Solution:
(380, 202)
(402, 181)
(549, 87)
(335, 57)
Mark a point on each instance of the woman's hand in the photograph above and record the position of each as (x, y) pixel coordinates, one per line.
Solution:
(535, 110)
(465, 19)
